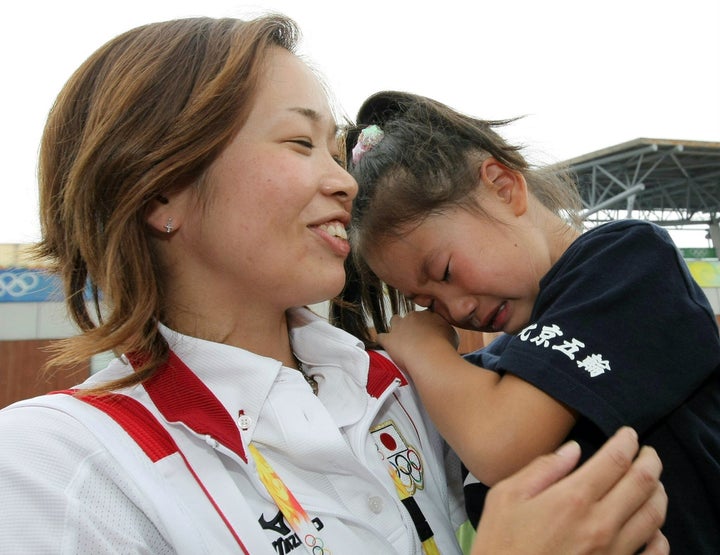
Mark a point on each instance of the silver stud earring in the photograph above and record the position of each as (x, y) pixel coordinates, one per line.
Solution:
(169, 226)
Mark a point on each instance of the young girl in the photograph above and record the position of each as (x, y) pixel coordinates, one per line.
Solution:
(601, 329)
(189, 172)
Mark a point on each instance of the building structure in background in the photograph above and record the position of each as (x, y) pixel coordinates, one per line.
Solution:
(32, 315)
(675, 184)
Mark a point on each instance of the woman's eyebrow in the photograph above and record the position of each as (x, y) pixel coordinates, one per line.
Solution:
(314, 116)
(307, 112)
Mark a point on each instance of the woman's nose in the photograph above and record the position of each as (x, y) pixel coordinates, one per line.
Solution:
(340, 183)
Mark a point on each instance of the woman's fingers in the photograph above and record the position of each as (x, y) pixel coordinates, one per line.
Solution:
(545, 471)
(643, 525)
(606, 467)
(658, 545)
(613, 505)
(631, 501)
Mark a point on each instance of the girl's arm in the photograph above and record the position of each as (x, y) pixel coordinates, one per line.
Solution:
(496, 423)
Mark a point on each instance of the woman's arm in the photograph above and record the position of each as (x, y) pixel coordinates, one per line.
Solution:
(495, 423)
(612, 505)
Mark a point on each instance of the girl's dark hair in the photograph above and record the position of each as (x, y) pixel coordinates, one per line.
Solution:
(147, 113)
(425, 164)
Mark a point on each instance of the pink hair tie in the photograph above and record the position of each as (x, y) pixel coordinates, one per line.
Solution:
(368, 139)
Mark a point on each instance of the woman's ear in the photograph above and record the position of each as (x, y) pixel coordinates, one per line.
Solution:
(165, 213)
(509, 186)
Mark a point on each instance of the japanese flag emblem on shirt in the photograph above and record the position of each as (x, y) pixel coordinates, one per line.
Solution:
(403, 458)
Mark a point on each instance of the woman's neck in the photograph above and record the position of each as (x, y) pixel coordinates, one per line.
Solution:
(258, 333)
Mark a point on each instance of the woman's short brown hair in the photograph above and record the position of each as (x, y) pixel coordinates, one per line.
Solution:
(147, 113)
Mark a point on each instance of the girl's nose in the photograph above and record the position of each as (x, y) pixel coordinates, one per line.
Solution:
(460, 309)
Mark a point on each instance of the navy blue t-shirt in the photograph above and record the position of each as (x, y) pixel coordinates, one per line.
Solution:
(621, 333)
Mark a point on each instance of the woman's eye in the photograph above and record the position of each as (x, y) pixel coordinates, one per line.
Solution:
(303, 143)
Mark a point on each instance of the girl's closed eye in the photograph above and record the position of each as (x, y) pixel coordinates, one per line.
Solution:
(446, 274)
(441, 273)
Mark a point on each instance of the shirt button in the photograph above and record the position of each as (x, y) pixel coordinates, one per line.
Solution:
(375, 503)
(244, 421)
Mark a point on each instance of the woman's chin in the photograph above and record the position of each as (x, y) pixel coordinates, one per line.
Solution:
(326, 288)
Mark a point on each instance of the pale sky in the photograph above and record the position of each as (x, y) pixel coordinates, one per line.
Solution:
(585, 74)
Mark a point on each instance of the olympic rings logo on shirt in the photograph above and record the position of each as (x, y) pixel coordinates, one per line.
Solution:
(317, 545)
(17, 285)
(409, 468)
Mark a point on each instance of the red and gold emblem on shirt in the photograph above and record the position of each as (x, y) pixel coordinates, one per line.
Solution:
(403, 458)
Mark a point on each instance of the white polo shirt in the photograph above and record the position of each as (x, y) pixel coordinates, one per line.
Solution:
(73, 481)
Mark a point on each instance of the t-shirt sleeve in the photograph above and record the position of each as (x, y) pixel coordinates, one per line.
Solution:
(620, 331)
(488, 357)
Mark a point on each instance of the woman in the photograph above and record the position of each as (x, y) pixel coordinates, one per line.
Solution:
(189, 173)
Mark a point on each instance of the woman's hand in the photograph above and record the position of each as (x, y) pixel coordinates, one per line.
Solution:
(612, 505)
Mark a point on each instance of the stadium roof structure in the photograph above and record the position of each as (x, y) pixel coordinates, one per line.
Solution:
(672, 183)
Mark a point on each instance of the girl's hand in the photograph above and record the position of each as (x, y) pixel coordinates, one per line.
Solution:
(415, 335)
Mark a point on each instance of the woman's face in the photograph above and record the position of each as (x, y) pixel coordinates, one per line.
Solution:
(272, 230)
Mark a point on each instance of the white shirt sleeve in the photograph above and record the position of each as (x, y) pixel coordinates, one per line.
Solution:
(60, 492)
